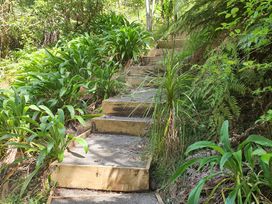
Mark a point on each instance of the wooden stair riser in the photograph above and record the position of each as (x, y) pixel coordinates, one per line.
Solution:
(151, 61)
(137, 81)
(102, 178)
(145, 71)
(169, 44)
(128, 109)
(136, 127)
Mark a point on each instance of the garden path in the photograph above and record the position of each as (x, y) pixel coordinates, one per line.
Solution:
(116, 169)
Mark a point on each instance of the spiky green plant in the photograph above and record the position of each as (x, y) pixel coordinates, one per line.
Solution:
(173, 107)
(127, 42)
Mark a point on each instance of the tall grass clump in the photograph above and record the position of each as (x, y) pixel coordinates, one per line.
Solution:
(172, 112)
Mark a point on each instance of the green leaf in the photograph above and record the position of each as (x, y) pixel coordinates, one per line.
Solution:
(34, 107)
(80, 119)
(61, 115)
(28, 179)
(211, 159)
(267, 172)
(238, 158)
(259, 152)
(19, 145)
(47, 110)
(225, 158)
(238, 31)
(61, 156)
(62, 92)
(257, 139)
(50, 146)
(183, 168)
(224, 135)
(232, 196)
(234, 11)
(266, 158)
(204, 144)
(249, 154)
(71, 110)
(195, 193)
(82, 142)
(8, 136)
(41, 157)
(228, 15)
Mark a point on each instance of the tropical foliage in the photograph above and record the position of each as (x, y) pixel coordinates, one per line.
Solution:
(65, 66)
(244, 173)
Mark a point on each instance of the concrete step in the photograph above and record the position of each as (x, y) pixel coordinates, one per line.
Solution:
(121, 125)
(152, 70)
(168, 44)
(141, 81)
(74, 196)
(138, 103)
(113, 163)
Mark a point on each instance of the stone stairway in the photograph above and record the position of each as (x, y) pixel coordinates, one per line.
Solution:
(116, 169)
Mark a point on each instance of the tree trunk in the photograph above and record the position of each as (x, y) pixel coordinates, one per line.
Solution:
(153, 8)
(148, 16)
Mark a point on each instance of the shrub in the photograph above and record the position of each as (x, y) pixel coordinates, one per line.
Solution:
(45, 137)
(108, 22)
(127, 42)
(54, 77)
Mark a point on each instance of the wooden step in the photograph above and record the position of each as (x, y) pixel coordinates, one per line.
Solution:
(149, 61)
(121, 125)
(75, 196)
(168, 44)
(113, 163)
(161, 52)
(137, 104)
(141, 81)
(155, 52)
(151, 70)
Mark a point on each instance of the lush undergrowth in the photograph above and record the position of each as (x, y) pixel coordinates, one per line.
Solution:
(52, 89)
(211, 136)
(222, 73)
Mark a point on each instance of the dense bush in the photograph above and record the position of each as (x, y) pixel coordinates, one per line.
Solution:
(231, 67)
(127, 42)
(40, 23)
(225, 71)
